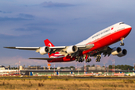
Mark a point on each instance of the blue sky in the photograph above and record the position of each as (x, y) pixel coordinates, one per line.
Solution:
(63, 22)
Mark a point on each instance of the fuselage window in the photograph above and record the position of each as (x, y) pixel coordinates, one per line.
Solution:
(121, 23)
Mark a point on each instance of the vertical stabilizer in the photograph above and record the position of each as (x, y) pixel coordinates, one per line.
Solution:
(48, 43)
(52, 55)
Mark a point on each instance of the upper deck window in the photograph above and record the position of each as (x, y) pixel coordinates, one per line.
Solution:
(121, 23)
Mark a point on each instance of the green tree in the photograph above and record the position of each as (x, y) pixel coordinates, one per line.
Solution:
(110, 66)
(61, 67)
(87, 65)
(123, 67)
(72, 67)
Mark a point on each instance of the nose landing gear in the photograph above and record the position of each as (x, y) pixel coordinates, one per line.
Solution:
(122, 43)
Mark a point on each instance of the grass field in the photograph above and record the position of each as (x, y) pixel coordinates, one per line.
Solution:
(66, 84)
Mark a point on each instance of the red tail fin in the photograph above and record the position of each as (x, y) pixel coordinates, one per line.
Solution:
(48, 43)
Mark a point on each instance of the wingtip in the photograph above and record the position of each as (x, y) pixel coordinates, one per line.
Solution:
(5, 47)
(9, 47)
(30, 58)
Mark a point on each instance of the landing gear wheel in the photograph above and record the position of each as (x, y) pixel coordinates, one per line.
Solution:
(80, 59)
(77, 59)
(88, 60)
(98, 59)
(121, 44)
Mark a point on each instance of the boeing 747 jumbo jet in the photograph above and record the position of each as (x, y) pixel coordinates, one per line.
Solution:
(94, 46)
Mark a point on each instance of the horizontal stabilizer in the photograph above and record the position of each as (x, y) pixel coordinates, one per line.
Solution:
(42, 58)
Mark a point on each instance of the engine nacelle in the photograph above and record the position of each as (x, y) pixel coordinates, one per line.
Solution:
(44, 50)
(72, 49)
(116, 51)
(122, 53)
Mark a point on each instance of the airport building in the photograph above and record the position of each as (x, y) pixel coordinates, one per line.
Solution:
(60, 71)
(97, 70)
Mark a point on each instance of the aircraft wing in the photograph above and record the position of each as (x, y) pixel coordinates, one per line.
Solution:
(64, 49)
(61, 49)
(23, 48)
(35, 48)
(81, 47)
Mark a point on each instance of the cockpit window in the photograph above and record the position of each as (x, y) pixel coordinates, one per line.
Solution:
(121, 23)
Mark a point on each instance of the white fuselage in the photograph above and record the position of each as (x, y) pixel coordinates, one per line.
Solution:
(105, 32)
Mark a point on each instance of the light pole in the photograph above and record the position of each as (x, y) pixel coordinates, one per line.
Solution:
(113, 65)
(54, 68)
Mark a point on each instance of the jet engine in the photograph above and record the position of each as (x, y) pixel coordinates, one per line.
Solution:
(72, 49)
(44, 50)
(122, 53)
(116, 51)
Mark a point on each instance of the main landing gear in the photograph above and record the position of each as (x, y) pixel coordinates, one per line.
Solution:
(98, 58)
(81, 59)
(88, 59)
(122, 43)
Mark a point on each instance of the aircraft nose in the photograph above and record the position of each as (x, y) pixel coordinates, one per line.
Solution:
(128, 27)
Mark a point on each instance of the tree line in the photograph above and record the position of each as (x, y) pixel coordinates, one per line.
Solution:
(122, 67)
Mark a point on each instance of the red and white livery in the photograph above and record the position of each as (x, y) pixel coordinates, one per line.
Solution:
(94, 46)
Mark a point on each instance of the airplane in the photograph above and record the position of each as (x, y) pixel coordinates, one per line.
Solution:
(94, 46)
